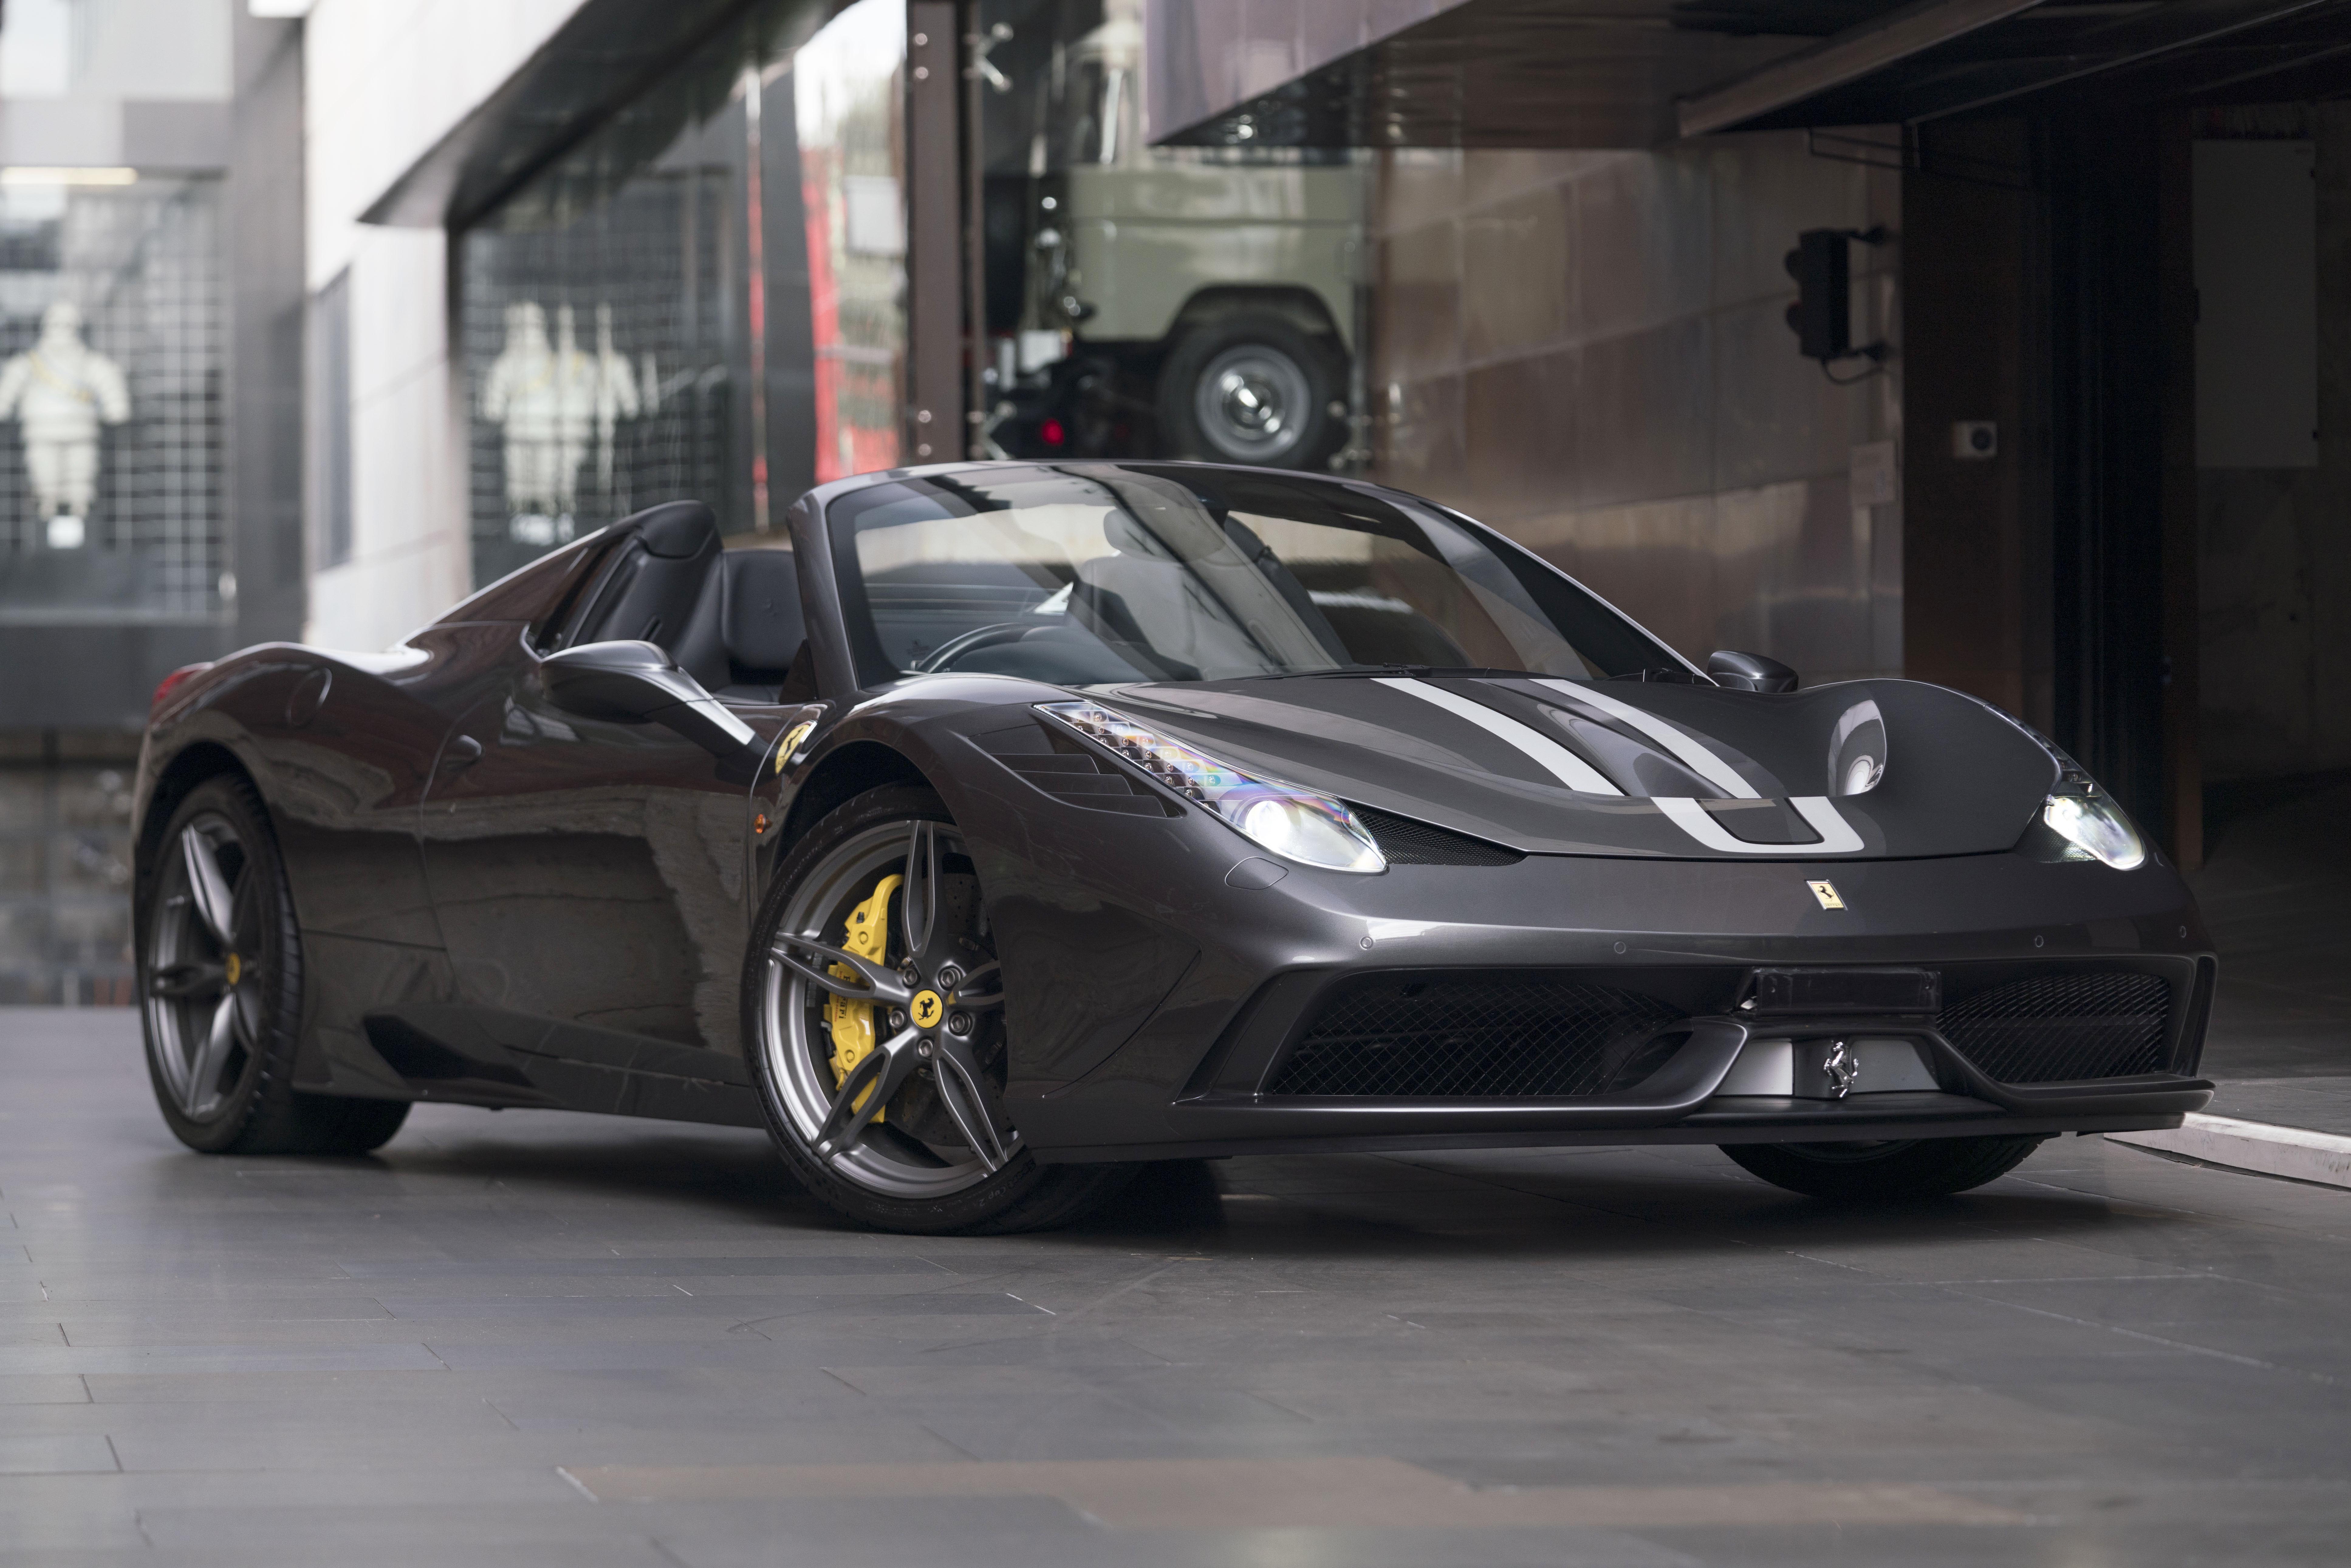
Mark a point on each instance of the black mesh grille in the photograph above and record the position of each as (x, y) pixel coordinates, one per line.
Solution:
(1409, 842)
(2055, 1029)
(1537, 1036)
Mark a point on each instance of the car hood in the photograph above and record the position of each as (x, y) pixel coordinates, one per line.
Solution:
(1868, 770)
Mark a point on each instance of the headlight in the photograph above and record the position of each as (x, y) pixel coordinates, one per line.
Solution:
(1294, 823)
(2086, 818)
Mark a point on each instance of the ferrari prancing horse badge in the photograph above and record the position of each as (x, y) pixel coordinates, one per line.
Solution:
(1827, 894)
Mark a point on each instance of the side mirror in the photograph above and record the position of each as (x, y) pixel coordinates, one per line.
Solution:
(1748, 671)
(639, 683)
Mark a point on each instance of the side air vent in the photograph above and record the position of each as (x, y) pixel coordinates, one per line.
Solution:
(1409, 842)
(1450, 1035)
(1074, 773)
(2064, 1027)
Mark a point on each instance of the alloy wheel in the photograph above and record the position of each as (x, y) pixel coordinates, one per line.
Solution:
(203, 980)
(915, 1115)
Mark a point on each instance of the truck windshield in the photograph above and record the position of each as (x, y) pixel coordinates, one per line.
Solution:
(1092, 574)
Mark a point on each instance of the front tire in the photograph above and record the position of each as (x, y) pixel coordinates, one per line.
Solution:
(220, 981)
(910, 1135)
(1887, 1172)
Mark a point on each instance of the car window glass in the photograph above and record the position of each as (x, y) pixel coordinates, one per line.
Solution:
(1118, 573)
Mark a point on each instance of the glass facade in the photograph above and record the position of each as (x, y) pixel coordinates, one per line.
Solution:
(705, 298)
(112, 323)
(1155, 301)
(852, 167)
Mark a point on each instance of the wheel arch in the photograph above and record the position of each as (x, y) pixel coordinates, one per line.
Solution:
(1302, 307)
(178, 779)
(841, 774)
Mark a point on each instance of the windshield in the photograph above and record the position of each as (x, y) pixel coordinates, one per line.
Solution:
(1090, 574)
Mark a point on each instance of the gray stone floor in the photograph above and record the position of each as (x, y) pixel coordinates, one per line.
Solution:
(538, 1338)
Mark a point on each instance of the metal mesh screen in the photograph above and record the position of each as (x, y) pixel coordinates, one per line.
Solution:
(1437, 1037)
(604, 362)
(2055, 1029)
(111, 357)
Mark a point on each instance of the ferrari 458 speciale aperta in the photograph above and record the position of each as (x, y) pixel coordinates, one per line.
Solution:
(1008, 825)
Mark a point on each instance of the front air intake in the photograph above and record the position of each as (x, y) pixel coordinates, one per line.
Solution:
(1450, 1036)
(1407, 840)
(2064, 1027)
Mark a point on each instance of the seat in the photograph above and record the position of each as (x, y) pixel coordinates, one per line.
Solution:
(1214, 613)
(746, 632)
(760, 620)
(658, 582)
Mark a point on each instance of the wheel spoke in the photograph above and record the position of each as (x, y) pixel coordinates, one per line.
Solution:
(189, 981)
(958, 1079)
(882, 1071)
(918, 899)
(244, 915)
(206, 1069)
(880, 984)
(976, 1000)
(215, 905)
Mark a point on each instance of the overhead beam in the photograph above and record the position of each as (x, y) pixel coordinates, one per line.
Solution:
(1848, 56)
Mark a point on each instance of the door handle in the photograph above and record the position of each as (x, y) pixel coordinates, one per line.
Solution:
(463, 751)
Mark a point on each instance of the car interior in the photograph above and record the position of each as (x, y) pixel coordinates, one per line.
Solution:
(731, 618)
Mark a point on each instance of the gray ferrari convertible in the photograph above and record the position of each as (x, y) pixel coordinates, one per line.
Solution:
(1009, 824)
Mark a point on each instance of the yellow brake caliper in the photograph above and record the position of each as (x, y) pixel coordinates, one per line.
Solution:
(851, 1023)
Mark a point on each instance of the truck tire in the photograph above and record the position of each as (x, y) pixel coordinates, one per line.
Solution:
(1250, 387)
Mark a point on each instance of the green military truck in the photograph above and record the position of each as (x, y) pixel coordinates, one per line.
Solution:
(1195, 302)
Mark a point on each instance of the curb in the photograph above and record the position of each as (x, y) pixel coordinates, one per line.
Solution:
(2256, 1146)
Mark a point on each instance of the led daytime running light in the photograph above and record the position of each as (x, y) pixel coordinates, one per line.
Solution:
(1294, 823)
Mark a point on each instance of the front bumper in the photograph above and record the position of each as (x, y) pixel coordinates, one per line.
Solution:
(1681, 1102)
(1152, 1013)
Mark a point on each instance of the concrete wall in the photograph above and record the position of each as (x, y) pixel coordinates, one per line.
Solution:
(2275, 543)
(1588, 350)
(387, 79)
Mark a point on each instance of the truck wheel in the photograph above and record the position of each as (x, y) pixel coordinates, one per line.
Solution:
(1251, 387)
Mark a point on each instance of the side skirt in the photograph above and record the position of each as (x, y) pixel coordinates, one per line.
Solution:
(481, 1056)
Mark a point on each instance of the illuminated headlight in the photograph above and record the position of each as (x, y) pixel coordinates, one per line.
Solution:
(2081, 814)
(1294, 823)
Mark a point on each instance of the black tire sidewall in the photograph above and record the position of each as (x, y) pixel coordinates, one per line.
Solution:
(1323, 363)
(1925, 1167)
(267, 1079)
(1023, 1196)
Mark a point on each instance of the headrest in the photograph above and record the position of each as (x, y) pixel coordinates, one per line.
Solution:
(1128, 536)
(760, 616)
(675, 530)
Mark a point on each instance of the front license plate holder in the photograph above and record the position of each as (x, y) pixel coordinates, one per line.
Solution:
(1822, 991)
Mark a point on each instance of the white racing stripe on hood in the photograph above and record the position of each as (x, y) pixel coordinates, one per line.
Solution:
(1555, 759)
(1838, 837)
(1685, 748)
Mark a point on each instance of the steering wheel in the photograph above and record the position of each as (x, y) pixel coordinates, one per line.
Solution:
(944, 656)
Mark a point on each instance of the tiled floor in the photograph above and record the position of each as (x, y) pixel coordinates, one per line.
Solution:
(538, 1338)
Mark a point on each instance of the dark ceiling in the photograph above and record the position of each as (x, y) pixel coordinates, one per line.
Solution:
(1540, 73)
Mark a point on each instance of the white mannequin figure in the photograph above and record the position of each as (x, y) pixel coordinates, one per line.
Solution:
(521, 395)
(577, 395)
(616, 396)
(60, 391)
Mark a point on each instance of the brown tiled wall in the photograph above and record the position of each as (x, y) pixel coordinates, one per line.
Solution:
(65, 867)
(2274, 544)
(1589, 351)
